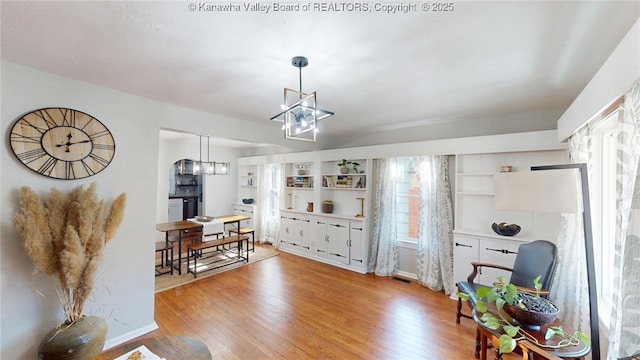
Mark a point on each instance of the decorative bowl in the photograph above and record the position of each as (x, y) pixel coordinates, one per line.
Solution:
(247, 201)
(505, 229)
(540, 311)
(203, 218)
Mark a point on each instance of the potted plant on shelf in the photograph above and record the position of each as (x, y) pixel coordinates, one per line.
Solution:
(516, 312)
(355, 166)
(344, 166)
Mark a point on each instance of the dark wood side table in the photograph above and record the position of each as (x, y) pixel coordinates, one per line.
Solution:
(486, 334)
(169, 347)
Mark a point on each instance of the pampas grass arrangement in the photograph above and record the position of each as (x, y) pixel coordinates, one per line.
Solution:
(65, 239)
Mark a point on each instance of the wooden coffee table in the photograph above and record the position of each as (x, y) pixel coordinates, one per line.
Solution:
(169, 347)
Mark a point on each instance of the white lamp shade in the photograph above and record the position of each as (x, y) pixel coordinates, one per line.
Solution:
(553, 191)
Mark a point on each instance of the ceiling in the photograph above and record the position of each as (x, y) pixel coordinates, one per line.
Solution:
(469, 68)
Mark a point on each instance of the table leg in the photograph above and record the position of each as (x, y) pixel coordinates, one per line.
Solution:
(483, 346)
(180, 252)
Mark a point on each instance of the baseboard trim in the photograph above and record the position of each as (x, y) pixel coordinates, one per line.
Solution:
(130, 335)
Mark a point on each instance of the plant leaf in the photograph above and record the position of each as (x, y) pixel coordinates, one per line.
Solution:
(537, 285)
(492, 295)
(511, 294)
(482, 292)
(582, 337)
(549, 334)
(507, 344)
(463, 296)
(491, 322)
(481, 307)
(511, 330)
(500, 303)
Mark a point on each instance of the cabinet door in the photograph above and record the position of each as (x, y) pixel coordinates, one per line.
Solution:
(465, 251)
(246, 211)
(299, 237)
(286, 228)
(357, 251)
(318, 237)
(338, 235)
(497, 252)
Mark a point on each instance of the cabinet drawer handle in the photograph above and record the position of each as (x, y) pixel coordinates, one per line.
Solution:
(504, 251)
(337, 225)
(463, 245)
(358, 260)
(338, 255)
(357, 229)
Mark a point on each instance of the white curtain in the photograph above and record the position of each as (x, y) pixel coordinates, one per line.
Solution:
(435, 235)
(571, 293)
(268, 203)
(624, 330)
(383, 257)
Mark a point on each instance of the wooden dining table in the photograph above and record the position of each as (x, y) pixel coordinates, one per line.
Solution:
(232, 219)
(183, 227)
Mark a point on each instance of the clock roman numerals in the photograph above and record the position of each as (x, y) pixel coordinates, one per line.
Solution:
(47, 167)
(25, 139)
(31, 155)
(100, 134)
(68, 117)
(62, 143)
(48, 119)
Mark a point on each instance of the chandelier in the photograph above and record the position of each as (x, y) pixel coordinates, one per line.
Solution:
(210, 167)
(300, 112)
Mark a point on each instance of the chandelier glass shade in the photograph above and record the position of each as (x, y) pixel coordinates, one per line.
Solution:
(210, 167)
(300, 113)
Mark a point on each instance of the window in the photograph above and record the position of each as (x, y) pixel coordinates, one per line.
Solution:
(273, 171)
(408, 198)
(603, 193)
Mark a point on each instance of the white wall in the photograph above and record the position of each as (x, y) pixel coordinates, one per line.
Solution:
(219, 191)
(614, 79)
(135, 123)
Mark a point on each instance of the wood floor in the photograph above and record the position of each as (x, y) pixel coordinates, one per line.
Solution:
(288, 307)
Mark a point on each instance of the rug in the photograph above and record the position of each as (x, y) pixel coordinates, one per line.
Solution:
(168, 281)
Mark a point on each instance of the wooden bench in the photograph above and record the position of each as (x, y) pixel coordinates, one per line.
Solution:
(202, 258)
(246, 231)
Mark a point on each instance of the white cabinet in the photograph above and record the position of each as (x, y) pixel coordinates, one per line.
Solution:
(338, 231)
(294, 232)
(318, 236)
(339, 237)
(499, 252)
(475, 211)
(357, 249)
(246, 210)
(490, 249)
(465, 251)
(332, 240)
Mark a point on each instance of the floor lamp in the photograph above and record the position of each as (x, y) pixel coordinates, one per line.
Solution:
(555, 191)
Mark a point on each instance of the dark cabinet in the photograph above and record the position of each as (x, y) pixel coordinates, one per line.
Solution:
(189, 208)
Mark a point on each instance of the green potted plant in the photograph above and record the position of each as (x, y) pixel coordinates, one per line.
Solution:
(344, 166)
(354, 167)
(525, 311)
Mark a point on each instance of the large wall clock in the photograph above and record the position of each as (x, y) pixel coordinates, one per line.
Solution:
(62, 143)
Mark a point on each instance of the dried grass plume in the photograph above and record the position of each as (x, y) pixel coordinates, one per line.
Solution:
(65, 238)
